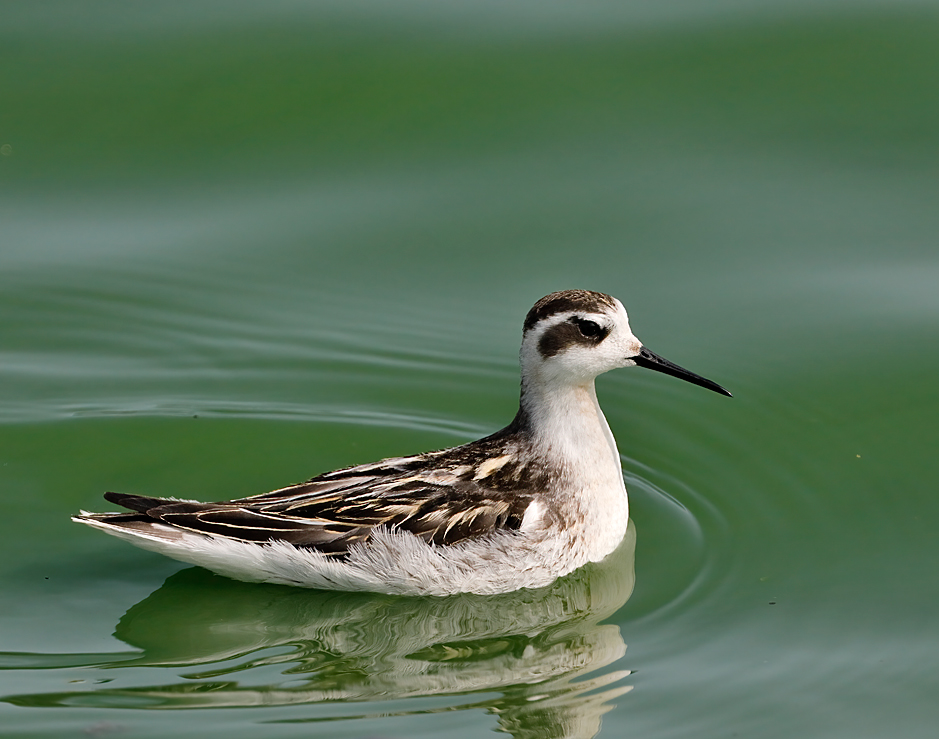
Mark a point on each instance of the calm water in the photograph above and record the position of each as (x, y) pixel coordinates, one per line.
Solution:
(244, 244)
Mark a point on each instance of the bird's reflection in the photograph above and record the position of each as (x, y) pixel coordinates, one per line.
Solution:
(540, 660)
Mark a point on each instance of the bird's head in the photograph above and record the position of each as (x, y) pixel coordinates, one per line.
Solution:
(570, 337)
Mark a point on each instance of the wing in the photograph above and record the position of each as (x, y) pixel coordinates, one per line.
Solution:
(332, 512)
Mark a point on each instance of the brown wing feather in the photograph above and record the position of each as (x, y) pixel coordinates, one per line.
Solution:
(332, 512)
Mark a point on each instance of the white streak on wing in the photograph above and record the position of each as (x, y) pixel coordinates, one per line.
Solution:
(383, 465)
(460, 516)
(308, 489)
(532, 517)
(391, 510)
(491, 465)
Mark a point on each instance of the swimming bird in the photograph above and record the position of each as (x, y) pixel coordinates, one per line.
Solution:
(516, 509)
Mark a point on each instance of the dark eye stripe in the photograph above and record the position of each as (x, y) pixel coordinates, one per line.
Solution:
(568, 333)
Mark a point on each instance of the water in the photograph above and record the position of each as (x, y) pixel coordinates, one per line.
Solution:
(244, 245)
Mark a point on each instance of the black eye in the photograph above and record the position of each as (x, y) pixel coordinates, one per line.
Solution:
(589, 329)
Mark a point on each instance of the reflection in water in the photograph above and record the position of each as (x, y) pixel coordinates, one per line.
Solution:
(251, 645)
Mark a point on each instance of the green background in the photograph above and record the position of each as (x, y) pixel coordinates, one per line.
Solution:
(243, 244)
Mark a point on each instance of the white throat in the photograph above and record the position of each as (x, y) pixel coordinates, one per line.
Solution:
(570, 430)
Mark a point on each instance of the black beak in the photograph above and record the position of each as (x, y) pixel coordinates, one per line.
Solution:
(653, 361)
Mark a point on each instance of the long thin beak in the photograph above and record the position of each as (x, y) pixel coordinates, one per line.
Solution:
(652, 361)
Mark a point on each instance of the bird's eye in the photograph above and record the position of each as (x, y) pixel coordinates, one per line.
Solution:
(590, 329)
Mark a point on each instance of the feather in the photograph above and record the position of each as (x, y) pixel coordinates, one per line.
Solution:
(335, 511)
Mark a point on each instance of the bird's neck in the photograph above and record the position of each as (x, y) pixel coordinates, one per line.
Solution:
(567, 428)
(568, 431)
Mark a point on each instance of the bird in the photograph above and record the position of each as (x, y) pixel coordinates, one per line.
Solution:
(516, 509)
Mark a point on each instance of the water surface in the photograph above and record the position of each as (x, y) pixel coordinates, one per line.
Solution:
(241, 246)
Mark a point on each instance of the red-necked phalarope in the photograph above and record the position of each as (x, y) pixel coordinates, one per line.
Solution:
(517, 509)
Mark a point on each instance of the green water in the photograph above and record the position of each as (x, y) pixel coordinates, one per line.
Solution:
(241, 245)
